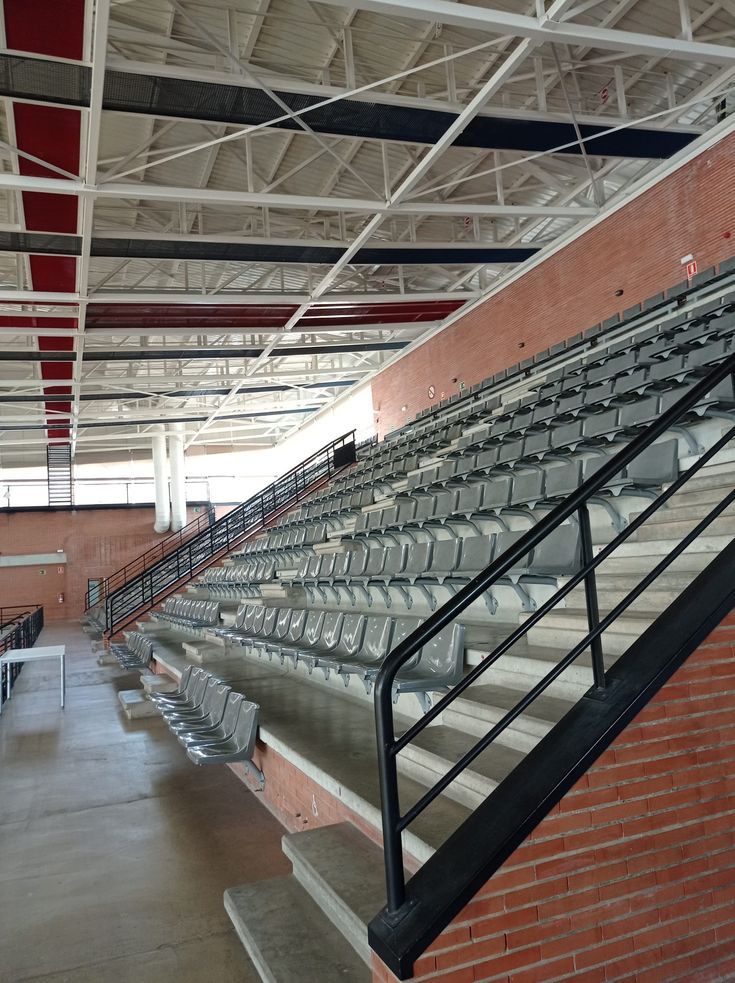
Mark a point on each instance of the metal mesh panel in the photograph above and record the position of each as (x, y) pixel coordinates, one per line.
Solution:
(57, 82)
(184, 98)
(51, 81)
(264, 253)
(40, 242)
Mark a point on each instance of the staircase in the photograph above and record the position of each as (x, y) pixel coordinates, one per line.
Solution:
(134, 589)
(59, 470)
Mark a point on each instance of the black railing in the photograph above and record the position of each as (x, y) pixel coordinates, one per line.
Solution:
(133, 569)
(20, 626)
(155, 580)
(574, 508)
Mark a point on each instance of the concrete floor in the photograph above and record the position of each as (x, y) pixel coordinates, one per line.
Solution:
(114, 848)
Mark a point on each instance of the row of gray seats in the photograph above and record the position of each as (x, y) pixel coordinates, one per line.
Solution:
(137, 651)
(223, 581)
(402, 573)
(188, 612)
(214, 724)
(349, 645)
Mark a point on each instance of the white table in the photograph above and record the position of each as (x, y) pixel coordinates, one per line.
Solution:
(31, 655)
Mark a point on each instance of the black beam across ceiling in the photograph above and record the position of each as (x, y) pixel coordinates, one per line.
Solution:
(37, 79)
(167, 419)
(170, 393)
(212, 354)
(161, 249)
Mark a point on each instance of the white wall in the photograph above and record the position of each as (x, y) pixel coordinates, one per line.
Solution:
(226, 476)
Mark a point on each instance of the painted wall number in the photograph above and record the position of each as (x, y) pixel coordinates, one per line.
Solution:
(432, 392)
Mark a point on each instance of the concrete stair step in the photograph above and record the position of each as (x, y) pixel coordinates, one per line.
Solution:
(566, 628)
(342, 871)
(676, 527)
(288, 936)
(436, 749)
(482, 706)
(157, 683)
(201, 652)
(135, 704)
(631, 557)
(520, 670)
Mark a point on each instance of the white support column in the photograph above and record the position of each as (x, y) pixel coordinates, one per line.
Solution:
(178, 476)
(160, 480)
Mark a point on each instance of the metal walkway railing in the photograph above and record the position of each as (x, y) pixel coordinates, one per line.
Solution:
(157, 576)
(20, 626)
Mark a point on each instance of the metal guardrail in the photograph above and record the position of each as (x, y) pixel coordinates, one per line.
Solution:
(197, 544)
(574, 506)
(147, 559)
(20, 626)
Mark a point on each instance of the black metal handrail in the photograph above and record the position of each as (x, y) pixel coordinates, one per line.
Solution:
(153, 582)
(147, 559)
(20, 626)
(574, 505)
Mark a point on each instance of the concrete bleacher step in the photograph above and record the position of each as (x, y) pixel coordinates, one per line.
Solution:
(639, 558)
(436, 749)
(135, 704)
(527, 663)
(202, 651)
(483, 705)
(568, 626)
(288, 936)
(342, 870)
(156, 683)
(676, 523)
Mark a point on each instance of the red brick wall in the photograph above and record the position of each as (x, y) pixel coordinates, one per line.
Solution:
(96, 542)
(632, 876)
(638, 250)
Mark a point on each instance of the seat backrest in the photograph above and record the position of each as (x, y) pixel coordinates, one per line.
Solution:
(402, 628)
(476, 554)
(331, 629)
(508, 539)
(376, 641)
(640, 411)
(283, 621)
(353, 629)
(418, 559)
(229, 717)
(445, 556)
(528, 487)
(246, 728)
(269, 621)
(357, 562)
(184, 680)
(601, 423)
(217, 700)
(564, 479)
(313, 628)
(657, 465)
(560, 553)
(442, 658)
(395, 559)
(257, 623)
(297, 624)
(341, 565)
(199, 693)
(374, 563)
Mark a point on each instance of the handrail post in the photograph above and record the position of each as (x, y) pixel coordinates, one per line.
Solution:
(590, 594)
(395, 881)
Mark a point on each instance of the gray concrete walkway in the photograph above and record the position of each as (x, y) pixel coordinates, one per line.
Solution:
(114, 848)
